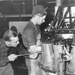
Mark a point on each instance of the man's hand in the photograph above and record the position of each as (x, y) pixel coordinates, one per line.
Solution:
(12, 57)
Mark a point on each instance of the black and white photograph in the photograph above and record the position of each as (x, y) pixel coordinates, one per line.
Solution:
(37, 37)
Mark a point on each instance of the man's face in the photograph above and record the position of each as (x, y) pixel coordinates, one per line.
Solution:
(41, 19)
(14, 41)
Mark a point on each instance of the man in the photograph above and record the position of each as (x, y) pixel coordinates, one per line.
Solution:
(31, 39)
(10, 39)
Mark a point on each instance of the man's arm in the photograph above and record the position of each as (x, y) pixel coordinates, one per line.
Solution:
(32, 41)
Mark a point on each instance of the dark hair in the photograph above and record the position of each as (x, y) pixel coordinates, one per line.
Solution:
(14, 29)
(8, 34)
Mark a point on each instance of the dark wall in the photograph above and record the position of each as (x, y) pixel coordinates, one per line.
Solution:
(16, 7)
(4, 22)
(68, 2)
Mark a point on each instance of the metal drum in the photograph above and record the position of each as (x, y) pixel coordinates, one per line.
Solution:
(71, 67)
(57, 53)
(47, 55)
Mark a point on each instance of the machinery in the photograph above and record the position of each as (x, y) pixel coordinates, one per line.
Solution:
(61, 31)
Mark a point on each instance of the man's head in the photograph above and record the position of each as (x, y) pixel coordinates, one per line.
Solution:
(11, 38)
(40, 13)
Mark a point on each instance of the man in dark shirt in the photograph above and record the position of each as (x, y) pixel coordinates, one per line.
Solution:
(31, 39)
(10, 39)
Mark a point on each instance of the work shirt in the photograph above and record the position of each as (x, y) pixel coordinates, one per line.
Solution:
(30, 34)
(3, 53)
